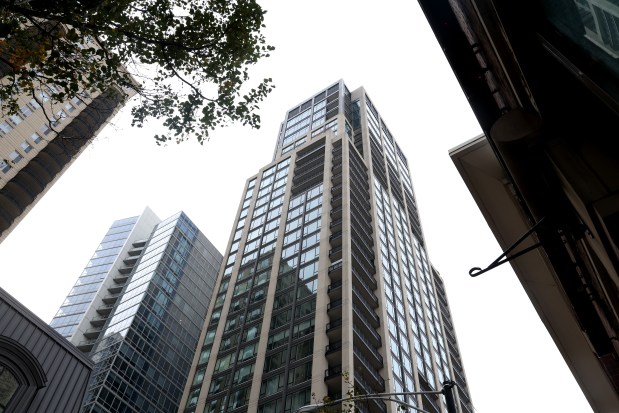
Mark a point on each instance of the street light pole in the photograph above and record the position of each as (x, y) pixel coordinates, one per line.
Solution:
(446, 391)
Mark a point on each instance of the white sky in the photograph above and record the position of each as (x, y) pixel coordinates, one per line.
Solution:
(511, 363)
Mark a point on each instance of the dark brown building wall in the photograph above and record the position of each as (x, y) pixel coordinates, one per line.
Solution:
(57, 372)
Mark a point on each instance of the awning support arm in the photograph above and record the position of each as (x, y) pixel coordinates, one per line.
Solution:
(503, 258)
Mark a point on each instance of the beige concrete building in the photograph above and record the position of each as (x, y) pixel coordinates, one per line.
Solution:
(40, 142)
(326, 285)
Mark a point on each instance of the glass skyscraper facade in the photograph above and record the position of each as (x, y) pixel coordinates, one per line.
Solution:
(149, 286)
(326, 285)
(79, 299)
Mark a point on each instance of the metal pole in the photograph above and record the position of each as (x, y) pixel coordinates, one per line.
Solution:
(449, 396)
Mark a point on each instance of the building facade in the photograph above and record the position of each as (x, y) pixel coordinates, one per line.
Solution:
(137, 310)
(39, 143)
(326, 286)
(40, 371)
(545, 172)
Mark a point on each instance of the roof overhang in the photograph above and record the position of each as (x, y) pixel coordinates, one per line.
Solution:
(492, 190)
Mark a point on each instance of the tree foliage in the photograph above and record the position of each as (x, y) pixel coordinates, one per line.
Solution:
(187, 60)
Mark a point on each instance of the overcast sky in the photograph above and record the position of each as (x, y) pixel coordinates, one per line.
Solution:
(511, 363)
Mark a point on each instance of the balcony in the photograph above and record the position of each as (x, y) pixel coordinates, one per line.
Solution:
(364, 252)
(363, 265)
(105, 309)
(376, 405)
(336, 213)
(366, 312)
(334, 308)
(98, 321)
(335, 290)
(130, 261)
(135, 252)
(115, 289)
(336, 225)
(336, 201)
(110, 298)
(336, 178)
(307, 182)
(124, 271)
(363, 289)
(334, 330)
(333, 352)
(368, 349)
(93, 333)
(372, 376)
(336, 239)
(366, 328)
(335, 269)
(362, 226)
(362, 232)
(333, 373)
(336, 190)
(364, 277)
(121, 279)
(86, 345)
(365, 307)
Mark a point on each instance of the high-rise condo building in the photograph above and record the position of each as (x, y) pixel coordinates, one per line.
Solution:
(326, 285)
(39, 143)
(137, 309)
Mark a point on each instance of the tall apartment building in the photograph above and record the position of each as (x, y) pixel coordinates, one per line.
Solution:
(326, 284)
(40, 142)
(137, 310)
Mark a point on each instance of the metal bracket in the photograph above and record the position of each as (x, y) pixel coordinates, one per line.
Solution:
(503, 258)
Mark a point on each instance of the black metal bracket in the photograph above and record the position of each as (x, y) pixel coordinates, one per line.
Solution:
(503, 258)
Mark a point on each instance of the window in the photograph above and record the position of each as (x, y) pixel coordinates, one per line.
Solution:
(280, 319)
(69, 107)
(238, 398)
(26, 147)
(283, 299)
(192, 400)
(219, 383)
(274, 361)
(277, 339)
(311, 269)
(271, 385)
(5, 128)
(33, 104)
(302, 350)
(36, 138)
(303, 328)
(242, 374)
(15, 156)
(305, 308)
(228, 342)
(247, 352)
(16, 119)
(258, 294)
(20, 376)
(8, 387)
(4, 166)
(251, 332)
(254, 313)
(210, 336)
(296, 400)
(45, 130)
(300, 374)
(224, 362)
(270, 407)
